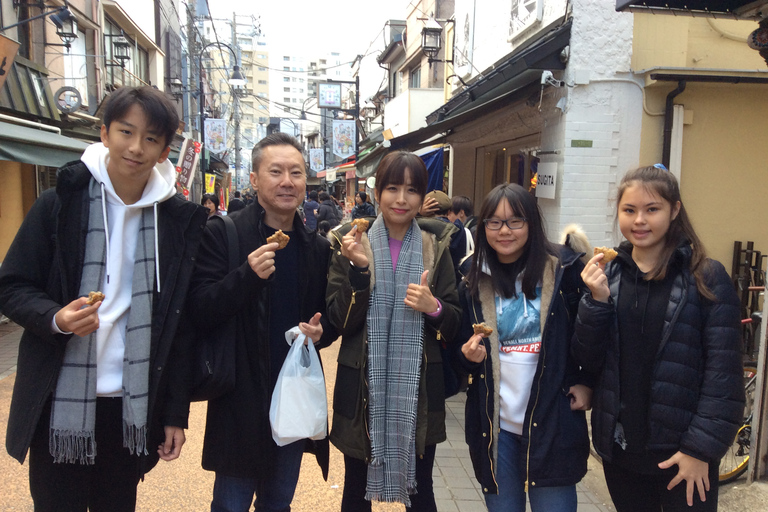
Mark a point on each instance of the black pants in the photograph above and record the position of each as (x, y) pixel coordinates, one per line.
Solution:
(107, 486)
(637, 492)
(356, 479)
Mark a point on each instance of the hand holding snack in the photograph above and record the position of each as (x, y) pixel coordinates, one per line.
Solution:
(474, 349)
(79, 317)
(280, 238)
(361, 225)
(482, 329)
(594, 277)
(262, 260)
(93, 298)
(608, 254)
(352, 249)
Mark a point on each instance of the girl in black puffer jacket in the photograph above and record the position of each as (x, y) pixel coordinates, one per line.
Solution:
(661, 326)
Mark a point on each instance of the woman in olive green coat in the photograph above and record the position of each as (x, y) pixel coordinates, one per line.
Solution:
(392, 295)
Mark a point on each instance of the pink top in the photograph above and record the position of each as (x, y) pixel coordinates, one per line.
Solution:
(394, 251)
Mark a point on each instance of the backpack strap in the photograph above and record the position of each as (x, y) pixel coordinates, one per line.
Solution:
(233, 244)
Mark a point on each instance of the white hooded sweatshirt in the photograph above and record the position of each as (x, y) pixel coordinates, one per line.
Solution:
(122, 222)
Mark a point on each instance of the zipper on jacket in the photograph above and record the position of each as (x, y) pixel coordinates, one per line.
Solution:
(351, 303)
(490, 430)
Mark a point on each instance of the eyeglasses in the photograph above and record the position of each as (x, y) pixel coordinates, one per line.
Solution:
(512, 223)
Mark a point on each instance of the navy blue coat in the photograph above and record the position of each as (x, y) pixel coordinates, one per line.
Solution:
(555, 437)
(697, 396)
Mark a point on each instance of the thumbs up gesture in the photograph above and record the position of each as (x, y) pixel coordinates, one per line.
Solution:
(420, 297)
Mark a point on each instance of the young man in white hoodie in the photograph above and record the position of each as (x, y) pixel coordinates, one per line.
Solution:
(100, 392)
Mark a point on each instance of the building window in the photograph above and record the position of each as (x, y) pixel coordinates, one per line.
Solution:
(286, 89)
(286, 79)
(286, 68)
(137, 67)
(287, 100)
(262, 95)
(261, 56)
(262, 69)
(286, 58)
(415, 82)
(262, 82)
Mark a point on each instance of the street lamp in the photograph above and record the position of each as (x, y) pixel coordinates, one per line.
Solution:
(62, 17)
(431, 39)
(236, 80)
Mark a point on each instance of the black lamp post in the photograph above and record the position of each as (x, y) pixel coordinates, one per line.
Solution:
(236, 79)
(62, 17)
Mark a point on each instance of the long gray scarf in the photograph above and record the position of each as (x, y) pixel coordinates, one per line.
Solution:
(395, 340)
(73, 415)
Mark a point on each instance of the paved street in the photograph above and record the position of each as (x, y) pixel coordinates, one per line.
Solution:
(184, 485)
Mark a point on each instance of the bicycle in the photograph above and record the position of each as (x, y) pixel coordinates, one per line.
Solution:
(735, 462)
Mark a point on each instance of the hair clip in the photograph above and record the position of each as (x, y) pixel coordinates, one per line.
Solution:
(661, 166)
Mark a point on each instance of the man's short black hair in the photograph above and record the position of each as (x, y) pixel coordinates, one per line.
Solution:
(459, 203)
(159, 110)
(274, 139)
(313, 195)
(237, 193)
(324, 196)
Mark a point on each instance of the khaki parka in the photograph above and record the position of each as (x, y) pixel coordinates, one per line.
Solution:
(347, 299)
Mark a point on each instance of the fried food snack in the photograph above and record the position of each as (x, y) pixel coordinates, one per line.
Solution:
(362, 225)
(482, 329)
(279, 237)
(608, 253)
(94, 297)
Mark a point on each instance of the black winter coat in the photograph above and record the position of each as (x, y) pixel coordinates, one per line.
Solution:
(41, 273)
(697, 395)
(555, 437)
(238, 436)
(327, 211)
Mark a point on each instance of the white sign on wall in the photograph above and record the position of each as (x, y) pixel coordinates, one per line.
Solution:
(546, 180)
(524, 14)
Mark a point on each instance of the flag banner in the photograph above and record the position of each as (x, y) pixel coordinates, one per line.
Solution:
(316, 159)
(216, 135)
(344, 137)
(210, 183)
(187, 163)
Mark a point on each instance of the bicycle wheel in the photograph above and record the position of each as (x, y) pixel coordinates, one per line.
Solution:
(735, 462)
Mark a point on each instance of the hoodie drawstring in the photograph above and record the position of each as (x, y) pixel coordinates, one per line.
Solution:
(106, 224)
(157, 251)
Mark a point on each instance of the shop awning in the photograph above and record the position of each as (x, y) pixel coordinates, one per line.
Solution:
(31, 146)
(730, 9)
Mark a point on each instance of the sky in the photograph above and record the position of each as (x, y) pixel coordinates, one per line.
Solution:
(346, 26)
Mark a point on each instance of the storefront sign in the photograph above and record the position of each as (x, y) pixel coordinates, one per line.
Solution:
(344, 137)
(8, 49)
(330, 175)
(328, 95)
(210, 183)
(216, 135)
(546, 183)
(188, 157)
(316, 159)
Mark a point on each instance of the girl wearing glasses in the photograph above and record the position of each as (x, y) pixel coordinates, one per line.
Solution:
(660, 324)
(525, 420)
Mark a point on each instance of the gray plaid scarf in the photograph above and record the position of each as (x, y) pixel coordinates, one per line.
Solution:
(395, 340)
(73, 415)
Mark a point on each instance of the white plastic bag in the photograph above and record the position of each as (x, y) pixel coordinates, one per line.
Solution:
(299, 408)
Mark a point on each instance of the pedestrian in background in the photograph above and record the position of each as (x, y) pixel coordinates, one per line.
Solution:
(461, 208)
(525, 420)
(310, 211)
(327, 210)
(362, 207)
(211, 202)
(236, 203)
(271, 292)
(660, 324)
(392, 295)
(100, 392)
(437, 204)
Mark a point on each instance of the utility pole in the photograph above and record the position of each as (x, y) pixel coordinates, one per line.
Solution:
(194, 78)
(236, 113)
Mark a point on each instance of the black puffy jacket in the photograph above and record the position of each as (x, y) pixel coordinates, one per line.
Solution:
(697, 396)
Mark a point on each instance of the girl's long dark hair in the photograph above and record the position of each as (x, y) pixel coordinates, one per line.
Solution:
(534, 257)
(664, 184)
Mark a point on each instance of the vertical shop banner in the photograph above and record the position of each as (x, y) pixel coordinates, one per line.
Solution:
(546, 180)
(344, 137)
(8, 49)
(317, 159)
(216, 135)
(187, 163)
(210, 183)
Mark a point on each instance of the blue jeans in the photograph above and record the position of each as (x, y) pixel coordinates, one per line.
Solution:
(511, 483)
(273, 494)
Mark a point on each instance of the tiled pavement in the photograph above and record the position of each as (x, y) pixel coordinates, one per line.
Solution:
(455, 486)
